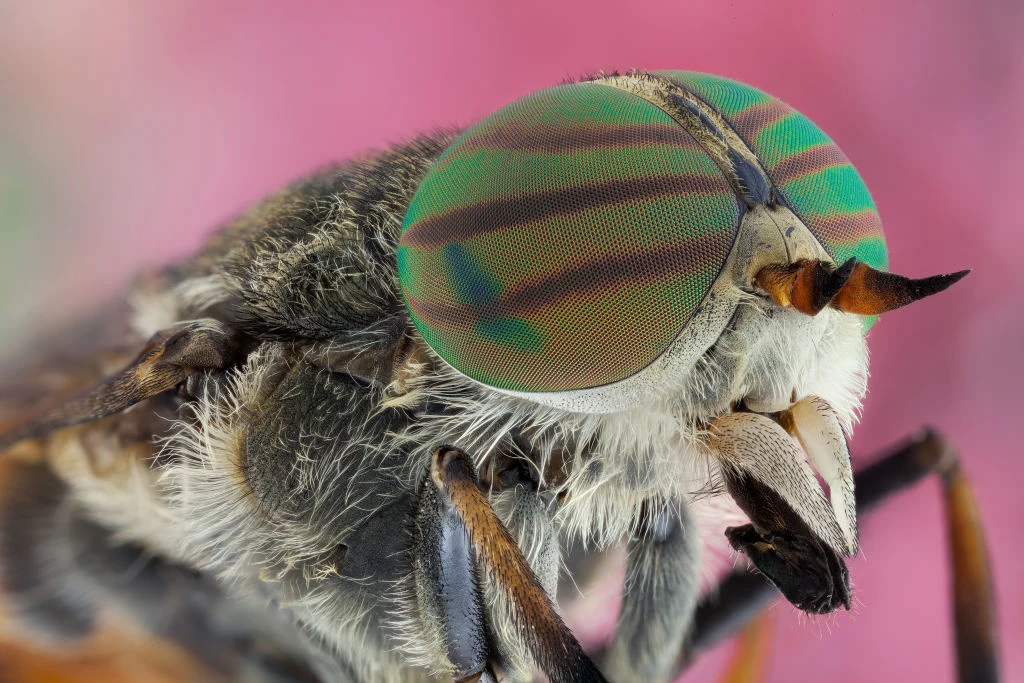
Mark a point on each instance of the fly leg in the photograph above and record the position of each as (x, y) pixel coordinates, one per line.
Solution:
(489, 545)
(749, 661)
(660, 595)
(742, 594)
(448, 586)
(811, 575)
(513, 491)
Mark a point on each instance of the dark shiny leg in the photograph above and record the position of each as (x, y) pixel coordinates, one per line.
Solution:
(448, 587)
(552, 645)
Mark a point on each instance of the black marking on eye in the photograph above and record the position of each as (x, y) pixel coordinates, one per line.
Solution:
(689, 106)
(753, 184)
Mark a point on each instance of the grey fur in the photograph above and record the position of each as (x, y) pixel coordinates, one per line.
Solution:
(659, 598)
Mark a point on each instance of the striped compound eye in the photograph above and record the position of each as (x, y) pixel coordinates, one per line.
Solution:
(562, 245)
(812, 175)
(564, 241)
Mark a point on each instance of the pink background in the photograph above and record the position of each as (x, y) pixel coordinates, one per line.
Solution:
(128, 129)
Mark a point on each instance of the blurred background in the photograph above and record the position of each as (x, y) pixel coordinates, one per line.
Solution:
(129, 129)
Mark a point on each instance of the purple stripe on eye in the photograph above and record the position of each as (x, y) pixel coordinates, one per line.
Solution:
(749, 122)
(485, 217)
(582, 280)
(562, 140)
(808, 161)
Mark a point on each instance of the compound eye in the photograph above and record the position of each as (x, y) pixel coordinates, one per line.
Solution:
(563, 243)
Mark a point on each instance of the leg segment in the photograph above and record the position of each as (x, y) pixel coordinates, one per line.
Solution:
(742, 594)
(168, 360)
(523, 511)
(749, 661)
(448, 589)
(661, 590)
(811, 575)
(551, 643)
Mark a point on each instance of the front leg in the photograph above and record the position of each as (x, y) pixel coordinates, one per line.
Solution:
(448, 590)
(659, 598)
(551, 644)
(742, 594)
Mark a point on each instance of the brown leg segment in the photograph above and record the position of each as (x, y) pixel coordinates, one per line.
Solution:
(748, 663)
(974, 599)
(551, 643)
(742, 594)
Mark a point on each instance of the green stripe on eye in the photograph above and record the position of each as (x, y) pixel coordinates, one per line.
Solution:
(405, 259)
(829, 191)
(419, 271)
(787, 137)
(593, 236)
(583, 105)
(497, 160)
(813, 175)
(870, 250)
